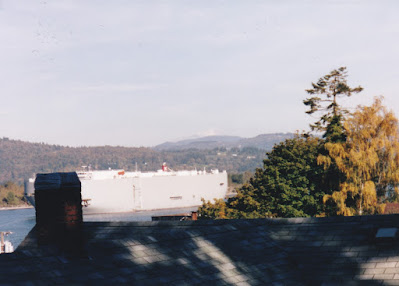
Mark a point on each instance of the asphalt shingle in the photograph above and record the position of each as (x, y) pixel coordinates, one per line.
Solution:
(300, 251)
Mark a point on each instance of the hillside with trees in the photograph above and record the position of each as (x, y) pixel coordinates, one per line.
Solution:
(20, 160)
(352, 170)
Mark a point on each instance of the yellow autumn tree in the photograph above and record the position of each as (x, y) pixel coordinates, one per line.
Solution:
(369, 159)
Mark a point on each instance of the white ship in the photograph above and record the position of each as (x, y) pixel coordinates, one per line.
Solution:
(110, 191)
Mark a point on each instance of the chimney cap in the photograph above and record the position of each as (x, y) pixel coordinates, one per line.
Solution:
(56, 181)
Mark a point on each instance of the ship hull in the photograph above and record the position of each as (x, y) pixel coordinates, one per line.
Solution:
(148, 191)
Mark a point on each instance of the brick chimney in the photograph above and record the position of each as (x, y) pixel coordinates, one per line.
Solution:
(58, 203)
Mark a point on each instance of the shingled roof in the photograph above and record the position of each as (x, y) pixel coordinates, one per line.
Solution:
(298, 251)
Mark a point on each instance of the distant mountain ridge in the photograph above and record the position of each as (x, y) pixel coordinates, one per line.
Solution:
(263, 141)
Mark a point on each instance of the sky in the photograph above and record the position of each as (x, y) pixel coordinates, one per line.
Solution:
(139, 73)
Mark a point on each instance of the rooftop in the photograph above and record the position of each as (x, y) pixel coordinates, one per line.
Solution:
(297, 251)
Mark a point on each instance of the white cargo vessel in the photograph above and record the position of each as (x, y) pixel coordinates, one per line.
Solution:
(111, 191)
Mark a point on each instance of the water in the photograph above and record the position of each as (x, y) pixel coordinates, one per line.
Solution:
(21, 221)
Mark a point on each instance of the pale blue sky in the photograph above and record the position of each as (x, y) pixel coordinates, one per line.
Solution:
(138, 73)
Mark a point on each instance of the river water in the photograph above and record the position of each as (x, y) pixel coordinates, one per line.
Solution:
(21, 221)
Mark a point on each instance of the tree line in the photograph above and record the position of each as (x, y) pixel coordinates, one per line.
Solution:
(352, 169)
(20, 160)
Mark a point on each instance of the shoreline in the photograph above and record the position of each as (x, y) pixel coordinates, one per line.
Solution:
(15, 208)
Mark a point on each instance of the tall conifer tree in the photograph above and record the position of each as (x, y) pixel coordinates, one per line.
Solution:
(324, 100)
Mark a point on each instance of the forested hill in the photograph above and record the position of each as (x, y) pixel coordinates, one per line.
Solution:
(20, 160)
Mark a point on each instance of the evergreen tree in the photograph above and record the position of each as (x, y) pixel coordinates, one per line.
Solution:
(290, 184)
(324, 99)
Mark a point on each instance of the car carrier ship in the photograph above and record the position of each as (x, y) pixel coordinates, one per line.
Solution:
(111, 191)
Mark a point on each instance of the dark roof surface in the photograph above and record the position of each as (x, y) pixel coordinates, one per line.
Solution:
(299, 251)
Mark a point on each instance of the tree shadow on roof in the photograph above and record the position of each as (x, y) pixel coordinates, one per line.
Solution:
(328, 251)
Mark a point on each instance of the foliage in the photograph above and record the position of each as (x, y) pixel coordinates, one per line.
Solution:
(11, 194)
(21, 160)
(239, 178)
(236, 178)
(209, 210)
(10, 198)
(290, 184)
(354, 169)
(369, 159)
(324, 99)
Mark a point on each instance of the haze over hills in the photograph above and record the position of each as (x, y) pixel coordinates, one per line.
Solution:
(263, 141)
(19, 160)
